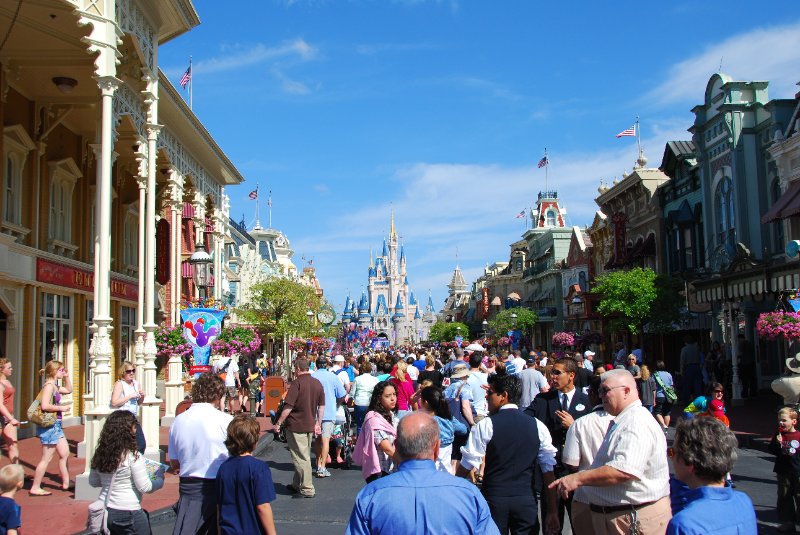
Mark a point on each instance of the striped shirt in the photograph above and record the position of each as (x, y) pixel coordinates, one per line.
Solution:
(584, 438)
(636, 445)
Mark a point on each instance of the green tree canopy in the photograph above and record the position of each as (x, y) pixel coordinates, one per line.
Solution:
(446, 332)
(628, 294)
(280, 306)
(503, 322)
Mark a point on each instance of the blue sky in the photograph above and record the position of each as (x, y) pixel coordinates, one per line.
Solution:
(441, 110)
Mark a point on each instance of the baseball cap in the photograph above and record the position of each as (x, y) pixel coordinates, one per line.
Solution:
(588, 353)
(338, 358)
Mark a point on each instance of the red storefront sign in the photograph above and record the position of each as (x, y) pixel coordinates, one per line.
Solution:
(485, 292)
(162, 251)
(81, 279)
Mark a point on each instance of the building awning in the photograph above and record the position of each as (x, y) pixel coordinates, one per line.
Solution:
(188, 210)
(514, 295)
(187, 270)
(789, 202)
(496, 301)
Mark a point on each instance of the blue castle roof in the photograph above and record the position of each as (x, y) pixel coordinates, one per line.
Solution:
(430, 304)
(412, 299)
(416, 315)
(384, 248)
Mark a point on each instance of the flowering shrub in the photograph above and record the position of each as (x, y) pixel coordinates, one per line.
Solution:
(236, 340)
(772, 325)
(563, 339)
(504, 341)
(320, 345)
(170, 341)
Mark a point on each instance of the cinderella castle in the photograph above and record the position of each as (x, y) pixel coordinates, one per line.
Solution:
(389, 307)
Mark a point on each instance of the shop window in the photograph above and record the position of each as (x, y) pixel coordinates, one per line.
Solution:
(55, 326)
(63, 176)
(17, 145)
(127, 335)
(551, 218)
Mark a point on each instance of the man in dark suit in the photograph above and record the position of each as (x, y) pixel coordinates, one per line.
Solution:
(558, 409)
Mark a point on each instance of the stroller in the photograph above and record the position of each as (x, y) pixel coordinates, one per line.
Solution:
(343, 439)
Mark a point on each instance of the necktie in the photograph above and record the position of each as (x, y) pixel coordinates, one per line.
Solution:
(564, 404)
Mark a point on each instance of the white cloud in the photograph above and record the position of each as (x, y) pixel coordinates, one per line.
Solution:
(378, 48)
(322, 189)
(771, 54)
(239, 56)
(290, 86)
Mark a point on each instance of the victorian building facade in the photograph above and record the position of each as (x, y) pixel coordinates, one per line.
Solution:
(109, 182)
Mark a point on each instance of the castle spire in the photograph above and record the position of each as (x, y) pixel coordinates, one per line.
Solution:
(370, 257)
(392, 233)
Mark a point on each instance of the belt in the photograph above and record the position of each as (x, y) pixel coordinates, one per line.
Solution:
(608, 509)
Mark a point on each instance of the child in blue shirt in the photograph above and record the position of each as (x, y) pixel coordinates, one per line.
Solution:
(12, 478)
(244, 483)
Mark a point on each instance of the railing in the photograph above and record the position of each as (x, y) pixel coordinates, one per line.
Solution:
(548, 195)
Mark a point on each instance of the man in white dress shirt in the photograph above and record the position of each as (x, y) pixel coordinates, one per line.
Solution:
(628, 481)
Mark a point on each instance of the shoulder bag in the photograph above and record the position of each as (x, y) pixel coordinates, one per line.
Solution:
(97, 522)
(38, 416)
(223, 372)
(669, 393)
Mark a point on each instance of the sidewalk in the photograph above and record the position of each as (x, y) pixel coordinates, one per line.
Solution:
(753, 423)
(61, 513)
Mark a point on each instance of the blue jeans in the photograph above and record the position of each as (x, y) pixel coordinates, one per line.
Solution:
(128, 522)
(360, 412)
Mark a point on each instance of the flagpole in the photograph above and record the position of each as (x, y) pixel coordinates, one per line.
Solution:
(526, 218)
(546, 165)
(269, 205)
(638, 136)
(191, 82)
(258, 223)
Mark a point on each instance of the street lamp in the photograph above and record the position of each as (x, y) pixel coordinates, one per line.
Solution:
(576, 303)
(201, 264)
(485, 325)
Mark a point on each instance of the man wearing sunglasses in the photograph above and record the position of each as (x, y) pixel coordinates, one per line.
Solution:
(558, 408)
(628, 482)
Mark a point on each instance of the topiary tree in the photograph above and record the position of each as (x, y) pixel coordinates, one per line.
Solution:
(503, 322)
(628, 294)
(447, 331)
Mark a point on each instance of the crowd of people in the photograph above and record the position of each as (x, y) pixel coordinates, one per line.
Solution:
(477, 441)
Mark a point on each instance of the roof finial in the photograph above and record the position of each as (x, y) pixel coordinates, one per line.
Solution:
(370, 257)
(392, 233)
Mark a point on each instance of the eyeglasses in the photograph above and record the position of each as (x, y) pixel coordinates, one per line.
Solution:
(603, 390)
(130, 371)
(719, 391)
(556, 372)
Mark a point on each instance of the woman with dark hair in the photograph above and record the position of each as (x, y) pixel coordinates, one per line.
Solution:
(374, 450)
(433, 402)
(118, 468)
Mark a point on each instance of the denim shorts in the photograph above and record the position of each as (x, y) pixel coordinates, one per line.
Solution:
(51, 435)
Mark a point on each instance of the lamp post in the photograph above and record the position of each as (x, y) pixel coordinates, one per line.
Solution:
(201, 262)
(485, 325)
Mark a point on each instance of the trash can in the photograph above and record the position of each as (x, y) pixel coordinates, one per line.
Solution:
(274, 390)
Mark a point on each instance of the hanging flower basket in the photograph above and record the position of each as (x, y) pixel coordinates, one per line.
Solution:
(773, 325)
(504, 341)
(170, 341)
(236, 340)
(298, 344)
(320, 345)
(563, 339)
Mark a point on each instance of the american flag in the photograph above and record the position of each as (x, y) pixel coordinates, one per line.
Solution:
(628, 132)
(254, 194)
(521, 214)
(544, 161)
(187, 76)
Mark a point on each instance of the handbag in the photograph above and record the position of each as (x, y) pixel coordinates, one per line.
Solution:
(97, 522)
(38, 416)
(669, 393)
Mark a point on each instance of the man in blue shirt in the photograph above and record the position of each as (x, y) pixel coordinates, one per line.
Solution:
(702, 454)
(418, 499)
(334, 392)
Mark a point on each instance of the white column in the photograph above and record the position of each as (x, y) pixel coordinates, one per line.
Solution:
(175, 250)
(736, 385)
(138, 349)
(151, 403)
(101, 387)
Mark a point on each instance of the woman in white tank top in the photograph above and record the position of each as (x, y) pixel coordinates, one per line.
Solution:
(126, 396)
